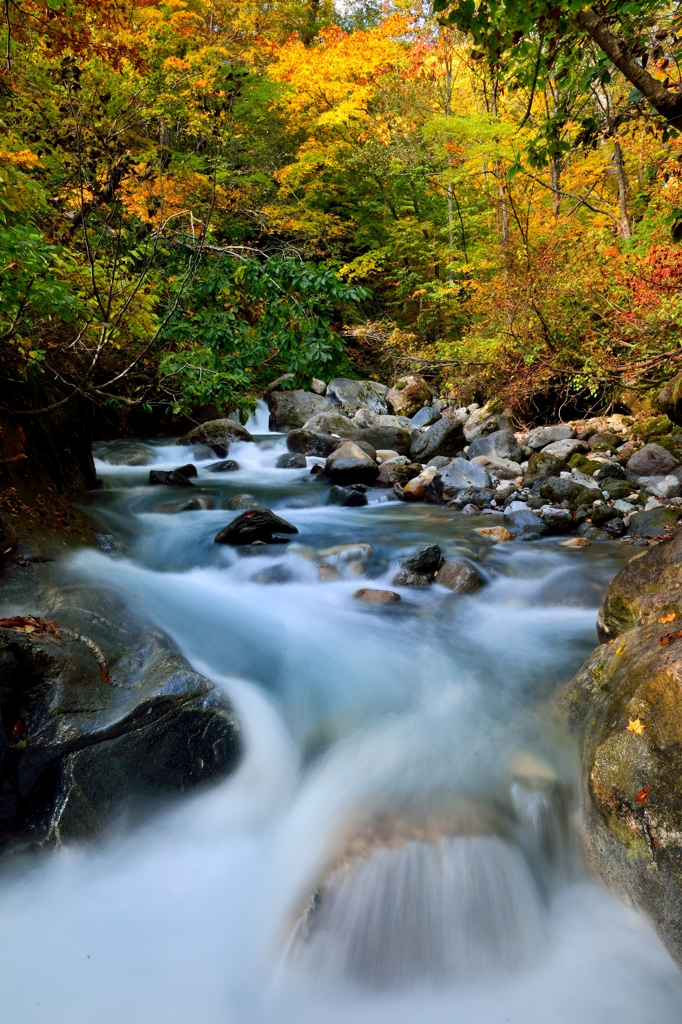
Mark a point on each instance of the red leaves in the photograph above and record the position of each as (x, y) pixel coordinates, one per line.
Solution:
(19, 730)
(643, 795)
(33, 626)
(669, 637)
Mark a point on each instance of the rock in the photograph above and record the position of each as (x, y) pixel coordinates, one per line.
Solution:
(198, 504)
(291, 409)
(601, 513)
(560, 489)
(444, 438)
(503, 469)
(328, 573)
(670, 400)
(256, 524)
(396, 438)
(347, 553)
(100, 718)
(291, 460)
(564, 449)
(542, 436)
(469, 509)
(347, 496)
(439, 461)
(458, 475)
(610, 471)
(276, 384)
(662, 487)
(174, 478)
(655, 522)
(217, 434)
(397, 471)
(501, 443)
(239, 501)
(273, 574)
(480, 497)
(525, 523)
(332, 422)
(349, 464)
(557, 519)
(652, 460)
(571, 587)
(369, 596)
(408, 395)
(311, 442)
(648, 587)
(406, 578)
(386, 454)
(126, 453)
(617, 488)
(604, 441)
(350, 395)
(458, 575)
(498, 534)
(425, 417)
(492, 417)
(425, 561)
(225, 466)
(593, 533)
(575, 542)
(415, 489)
(318, 387)
(541, 465)
(615, 526)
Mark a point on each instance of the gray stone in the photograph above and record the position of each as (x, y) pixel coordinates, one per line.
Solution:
(406, 578)
(444, 438)
(311, 442)
(491, 418)
(501, 443)
(331, 422)
(459, 576)
(255, 525)
(557, 519)
(349, 464)
(408, 395)
(425, 417)
(664, 486)
(458, 475)
(174, 478)
(242, 501)
(217, 434)
(503, 469)
(425, 561)
(350, 395)
(524, 523)
(348, 496)
(396, 438)
(565, 449)
(542, 436)
(560, 489)
(291, 460)
(291, 409)
(125, 453)
(654, 522)
(652, 460)
(318, 387)
(541, 466)
(439, 461)
(225, 466)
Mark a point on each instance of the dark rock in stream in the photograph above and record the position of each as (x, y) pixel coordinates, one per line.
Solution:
(172, 478)
(291, 460)
(217, 434)
(311, 442)
(348, 496)
(98, 718)
(256, 525)
(426, 560)
(458, 575)
(224, 466)
(125, 453)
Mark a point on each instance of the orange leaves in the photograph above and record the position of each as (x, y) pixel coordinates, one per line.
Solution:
(667, 618)
(643, 795)
(636, 725)
(670, 637)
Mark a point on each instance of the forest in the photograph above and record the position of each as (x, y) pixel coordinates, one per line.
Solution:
(197, 196)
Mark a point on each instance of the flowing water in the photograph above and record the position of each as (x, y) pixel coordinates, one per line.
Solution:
(398, 844)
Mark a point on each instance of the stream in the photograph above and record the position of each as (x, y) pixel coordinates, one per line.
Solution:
(399, 841)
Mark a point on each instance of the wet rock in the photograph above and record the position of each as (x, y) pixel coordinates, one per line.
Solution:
(239, 501)
(273, 574)
(349, 464)
(565, 449)
(224, 466)
(415, 489)
(174, 478)
(255, 525)
(601, 513)
(501, 443)
(479, 496)
(575, 542)
(406, 578)
(652, 460)
(503, 469)
(425, 560)
(525, 523)
(604, 441)
(126, 453)
(458, 475)
(397, 438)
(408, 395)
(593, 533)
(332, 422)
(498, 534)
(99, 718)
(367, 448)
(292, 460)
(397, 471)
(541, 465)
(217, 434)
(292, 409)
(444, 438)
(369, 596)
(350, 395)
(655, 522)
(559, 520)
(347, 496)
(615, 527)
(571, 587)
(346, 554)
(458, 575)
(560, 489)
(311, 442)
(426, 416)
(670, 400)
(648, 587)
(328, 573)
(492, 417)
(194, 504)
(542, 436)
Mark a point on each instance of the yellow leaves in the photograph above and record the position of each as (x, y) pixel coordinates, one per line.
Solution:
(619, 650)
(667, 618)
(23, 158)
(636, 725)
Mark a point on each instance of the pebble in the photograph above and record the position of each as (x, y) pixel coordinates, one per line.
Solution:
(496, 533)
(575, 542)
(370, 596)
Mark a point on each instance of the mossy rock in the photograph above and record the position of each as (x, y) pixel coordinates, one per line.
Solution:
(541, 465)
(648, 587)
(583, 465)
(656, 522)
(616, 488)
(653, 428)
(670, 399)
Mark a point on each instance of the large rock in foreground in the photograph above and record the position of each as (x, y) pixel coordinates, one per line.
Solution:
(258, 524)
(98, 720)
(625, 706)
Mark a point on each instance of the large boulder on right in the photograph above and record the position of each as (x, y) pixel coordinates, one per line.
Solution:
(652, 460)
(445, 438)
(670, 400)
(291, 409)
(408, 395)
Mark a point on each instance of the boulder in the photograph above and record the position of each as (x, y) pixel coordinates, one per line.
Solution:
(458, 475)
(522, 524)
(370, 596)
(291, 409)
(655, 522)
(476, 496)
(194, 504)
(174, 478)
(662, 487)
(558, 520)
(408, 395)
(291, 460)
(604, 441)
(670, 400)
(425, 417)
(349, 464)
(397, 471)
(415, 489)
(241, 501)
(541, 466)
(560, 489)
(503, 469)
(397, 438)
(425, 561)
(458, 575)
(331, 422)
(256, 524)
(652, 460)
(225, 466)
(497, 534)
(491, 418)
(125, 453)
(565, 449)
(542, 436)
(366, 447)
(99, 718)
(444, 438)
(350, 395)
(311, 442)
(217, 434)
(501, 443)
(406, 578)
(348, 496)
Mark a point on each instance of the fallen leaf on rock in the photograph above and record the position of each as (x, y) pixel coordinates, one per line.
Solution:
(669, 637)
(648, 636)
(636, 725)
(643, 795)
(667, 618)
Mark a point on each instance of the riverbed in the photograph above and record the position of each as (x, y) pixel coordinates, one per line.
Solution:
(399, 843)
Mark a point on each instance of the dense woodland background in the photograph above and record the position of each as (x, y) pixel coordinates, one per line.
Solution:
(198, 196)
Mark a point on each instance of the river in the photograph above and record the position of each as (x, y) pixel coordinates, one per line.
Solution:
(398, 844)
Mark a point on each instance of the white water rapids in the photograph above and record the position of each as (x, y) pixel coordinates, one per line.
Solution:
(398, 844)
